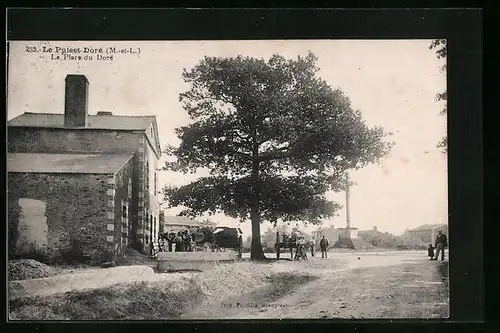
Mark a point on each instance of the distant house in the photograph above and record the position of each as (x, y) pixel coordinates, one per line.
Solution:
(330, 233)
(426, 234)
(174, 223)
(82, 180)
(333, 234)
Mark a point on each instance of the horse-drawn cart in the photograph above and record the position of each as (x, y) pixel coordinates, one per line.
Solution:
(290, 242)
(204, 239)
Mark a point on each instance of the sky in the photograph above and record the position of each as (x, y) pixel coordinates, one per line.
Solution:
(392, 82)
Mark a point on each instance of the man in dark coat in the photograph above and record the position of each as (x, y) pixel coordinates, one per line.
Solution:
(441, 243)
(179, 242)
(170, 240)
(323, 244)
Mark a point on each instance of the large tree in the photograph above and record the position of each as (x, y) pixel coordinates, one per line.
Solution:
(439, 45)
(274, 137)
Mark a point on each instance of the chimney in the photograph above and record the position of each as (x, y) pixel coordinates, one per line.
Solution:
(76, 101)
(104, 113)
(375, 228)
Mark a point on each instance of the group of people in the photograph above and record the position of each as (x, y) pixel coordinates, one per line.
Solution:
(181, 241)
(302, 245)
(440, 244)
(323, 245)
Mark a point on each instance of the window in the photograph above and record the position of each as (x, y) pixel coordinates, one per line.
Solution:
(146, 175)
(155, 229)
(151, 227)
(129, 188)
(155, 183)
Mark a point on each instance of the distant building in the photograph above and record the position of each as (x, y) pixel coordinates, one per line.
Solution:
(175, 223)
(82, 180)
(426, 234)
(368, 234)
(330, 233)
(333, 234)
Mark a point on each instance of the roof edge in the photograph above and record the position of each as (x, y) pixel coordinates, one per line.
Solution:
(124, 164)
(138, 130)
(63, 173)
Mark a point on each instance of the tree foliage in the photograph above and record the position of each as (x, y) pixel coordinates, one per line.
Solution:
(274, 137)
(439, 45)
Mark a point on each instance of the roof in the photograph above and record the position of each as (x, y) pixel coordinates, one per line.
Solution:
(428, 227)
(181, 221)
(56, 120)
(66, 163)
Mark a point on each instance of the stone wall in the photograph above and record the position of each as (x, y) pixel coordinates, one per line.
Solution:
(120, 204)
(55, 140)
(148, 206)
(60, 214)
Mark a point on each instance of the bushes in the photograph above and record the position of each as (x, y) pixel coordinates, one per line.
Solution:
(74, 254)
(34, 253)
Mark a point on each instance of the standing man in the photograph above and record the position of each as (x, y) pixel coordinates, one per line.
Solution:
(170, 241)
(312, 244)
(323, 244)
(441, 243)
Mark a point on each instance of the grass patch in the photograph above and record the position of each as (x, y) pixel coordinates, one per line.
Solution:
(257, 298)
(145, 300)
(281, 284)
(131, 301)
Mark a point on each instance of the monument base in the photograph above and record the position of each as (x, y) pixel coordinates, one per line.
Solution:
(344, 243)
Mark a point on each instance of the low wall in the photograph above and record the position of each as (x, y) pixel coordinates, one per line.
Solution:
(176, 261)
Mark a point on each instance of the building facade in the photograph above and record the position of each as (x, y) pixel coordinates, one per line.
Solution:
(50, 136)
(68, 212)
(427, 233)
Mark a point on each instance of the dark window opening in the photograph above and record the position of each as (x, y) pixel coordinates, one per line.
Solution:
(151, 227)
(147, 175)
(155, 180)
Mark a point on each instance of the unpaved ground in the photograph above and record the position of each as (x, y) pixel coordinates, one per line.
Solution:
(88, 279)
(361, 285)
(389, 285)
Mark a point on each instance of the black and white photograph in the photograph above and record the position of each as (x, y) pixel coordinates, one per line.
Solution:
(227, 179)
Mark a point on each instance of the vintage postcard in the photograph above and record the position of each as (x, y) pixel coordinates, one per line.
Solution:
(256, 179)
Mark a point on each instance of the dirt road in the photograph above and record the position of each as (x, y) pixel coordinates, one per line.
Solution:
(359, 285)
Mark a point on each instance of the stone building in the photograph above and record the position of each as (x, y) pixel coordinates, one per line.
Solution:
(80, 178)
(330, 233)
(427, 233)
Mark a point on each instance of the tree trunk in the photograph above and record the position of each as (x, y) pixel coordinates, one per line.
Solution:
(256, 252)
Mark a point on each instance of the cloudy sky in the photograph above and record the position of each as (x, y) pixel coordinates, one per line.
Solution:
(393, 83)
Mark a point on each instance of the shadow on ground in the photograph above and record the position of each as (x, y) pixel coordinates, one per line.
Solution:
(257, 300)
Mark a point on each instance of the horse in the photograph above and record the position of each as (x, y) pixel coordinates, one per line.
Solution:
(288, 242)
